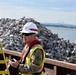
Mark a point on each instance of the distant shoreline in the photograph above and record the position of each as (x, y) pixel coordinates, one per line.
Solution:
(60, 26)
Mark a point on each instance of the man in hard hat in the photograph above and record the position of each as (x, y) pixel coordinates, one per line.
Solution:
(33, 55)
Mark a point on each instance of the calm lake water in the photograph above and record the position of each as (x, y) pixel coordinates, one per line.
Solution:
(66, 33)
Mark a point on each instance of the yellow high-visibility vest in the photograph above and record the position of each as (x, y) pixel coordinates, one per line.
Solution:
(27, 61)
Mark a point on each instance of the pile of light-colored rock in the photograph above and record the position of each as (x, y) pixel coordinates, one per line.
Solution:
(55, 47)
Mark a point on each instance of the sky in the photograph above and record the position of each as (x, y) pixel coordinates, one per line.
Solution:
(48, 11)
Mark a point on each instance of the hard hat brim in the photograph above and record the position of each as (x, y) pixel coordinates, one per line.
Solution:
(27, 32)
(24, 32)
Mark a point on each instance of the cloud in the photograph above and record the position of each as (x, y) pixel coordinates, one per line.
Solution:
(40, 10)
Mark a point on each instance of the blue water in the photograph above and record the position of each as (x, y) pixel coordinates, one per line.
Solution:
(66, 33)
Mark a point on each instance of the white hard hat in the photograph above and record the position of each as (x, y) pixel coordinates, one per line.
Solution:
(30, 28)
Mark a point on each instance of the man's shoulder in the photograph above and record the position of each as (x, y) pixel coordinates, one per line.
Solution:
(38, 46)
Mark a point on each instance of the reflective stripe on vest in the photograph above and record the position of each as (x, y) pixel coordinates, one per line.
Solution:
(29, 56)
